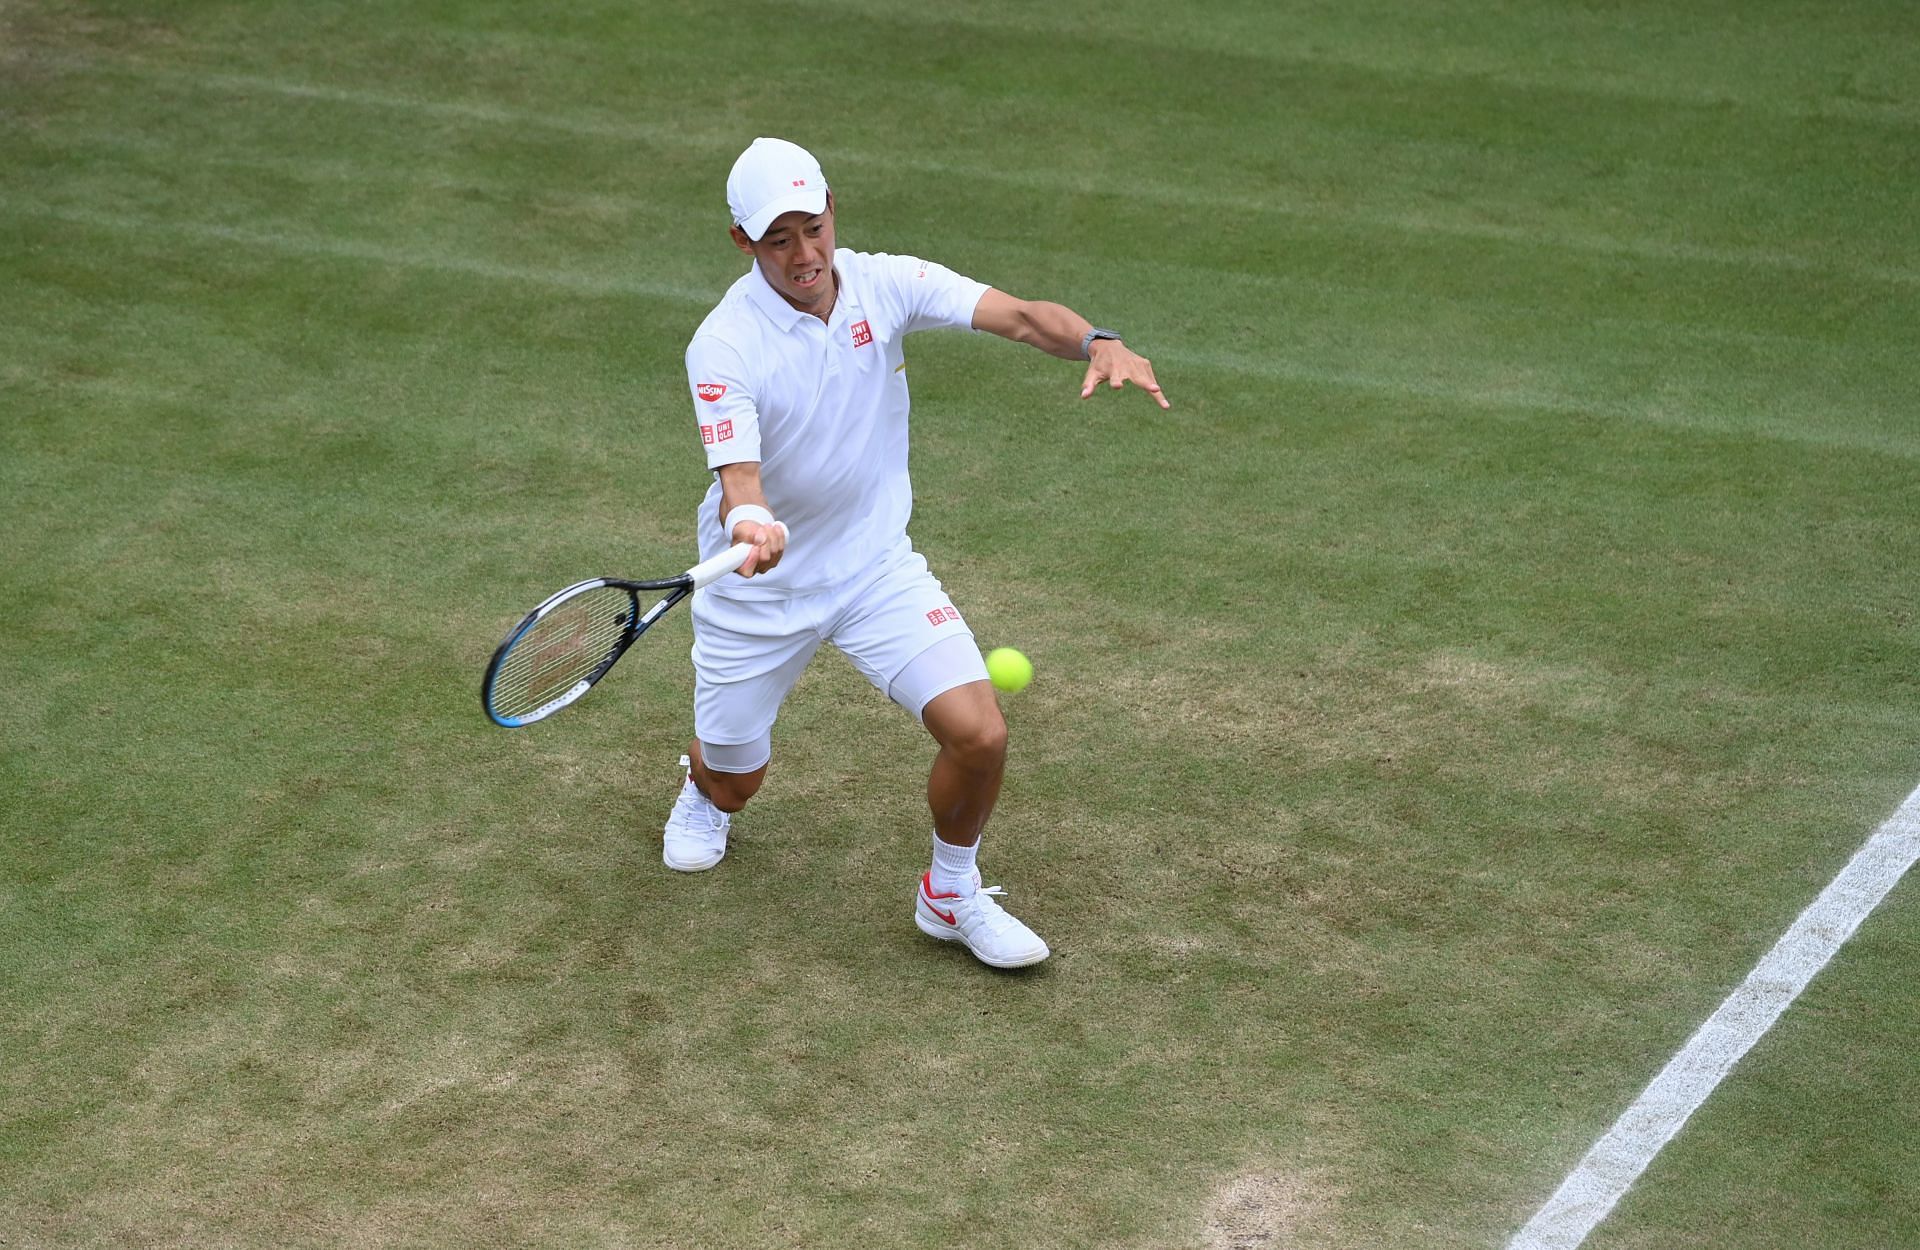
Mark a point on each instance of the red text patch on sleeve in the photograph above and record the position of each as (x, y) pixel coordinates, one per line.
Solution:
(711, 391)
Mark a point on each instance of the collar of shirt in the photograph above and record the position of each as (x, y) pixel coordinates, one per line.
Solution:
(785, 315)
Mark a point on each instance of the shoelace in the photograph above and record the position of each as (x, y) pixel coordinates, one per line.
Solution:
(991, 914)
(716, 820)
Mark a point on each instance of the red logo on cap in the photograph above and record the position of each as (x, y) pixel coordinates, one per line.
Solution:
(799, 182)
(711, 391)
(862, 334)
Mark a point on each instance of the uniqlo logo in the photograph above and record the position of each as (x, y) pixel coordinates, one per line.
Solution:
(940, 616)
(799, 182)
(862, 334)
(723, 432)
(711, 391)
(706, 435)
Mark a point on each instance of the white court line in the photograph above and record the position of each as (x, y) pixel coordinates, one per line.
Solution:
(1618, 1158)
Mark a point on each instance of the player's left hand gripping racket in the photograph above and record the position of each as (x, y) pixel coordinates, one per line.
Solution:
(556, 653)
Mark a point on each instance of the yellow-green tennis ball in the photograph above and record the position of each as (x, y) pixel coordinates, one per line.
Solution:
(1008, 669)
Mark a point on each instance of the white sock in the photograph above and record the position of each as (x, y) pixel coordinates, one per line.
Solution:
(953, 868)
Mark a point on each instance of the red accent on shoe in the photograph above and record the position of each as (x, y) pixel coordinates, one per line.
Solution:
(929, 897)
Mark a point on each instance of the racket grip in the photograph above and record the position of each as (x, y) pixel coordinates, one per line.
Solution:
(713, 570)
(726, 562)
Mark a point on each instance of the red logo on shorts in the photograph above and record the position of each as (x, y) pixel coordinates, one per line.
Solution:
(711, 391)
(940, 616)
(862, 334)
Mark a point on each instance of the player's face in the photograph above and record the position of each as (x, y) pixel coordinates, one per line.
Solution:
(796, 255)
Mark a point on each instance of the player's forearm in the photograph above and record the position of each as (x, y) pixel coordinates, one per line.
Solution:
(740, 483)
(1053, 328)
(740, 488)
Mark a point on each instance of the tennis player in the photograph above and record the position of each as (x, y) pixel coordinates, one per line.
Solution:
(800, 398)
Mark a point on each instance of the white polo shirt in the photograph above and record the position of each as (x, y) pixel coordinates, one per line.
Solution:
(822, 406)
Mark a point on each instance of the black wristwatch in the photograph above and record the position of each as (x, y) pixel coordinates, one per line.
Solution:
(1086, 344)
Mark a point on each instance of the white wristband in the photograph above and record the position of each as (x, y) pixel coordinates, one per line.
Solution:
(747, 512)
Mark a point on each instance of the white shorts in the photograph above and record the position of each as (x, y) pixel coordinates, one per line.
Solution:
(897, 625)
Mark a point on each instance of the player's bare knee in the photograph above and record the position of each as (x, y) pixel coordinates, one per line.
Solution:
(981, 745)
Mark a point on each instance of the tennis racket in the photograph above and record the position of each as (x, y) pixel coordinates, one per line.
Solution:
(561, 648)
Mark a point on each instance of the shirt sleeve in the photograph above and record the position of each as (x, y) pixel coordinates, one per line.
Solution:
(933, 296)
(723, 403)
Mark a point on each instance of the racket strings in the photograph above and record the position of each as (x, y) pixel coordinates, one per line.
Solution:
(562, 649)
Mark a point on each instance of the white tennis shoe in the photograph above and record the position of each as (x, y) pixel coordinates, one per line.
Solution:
(696, 834)
(995, 938)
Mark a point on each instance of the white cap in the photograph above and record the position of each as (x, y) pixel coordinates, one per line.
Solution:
(770, 178)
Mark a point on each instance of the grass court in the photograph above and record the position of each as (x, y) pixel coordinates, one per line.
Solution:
(1508, 632)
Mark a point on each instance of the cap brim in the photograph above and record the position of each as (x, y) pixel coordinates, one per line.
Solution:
(810, 202)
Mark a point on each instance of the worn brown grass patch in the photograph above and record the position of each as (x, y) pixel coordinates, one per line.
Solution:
(1266, 1209)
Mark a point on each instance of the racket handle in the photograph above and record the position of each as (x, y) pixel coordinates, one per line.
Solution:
(726, 562)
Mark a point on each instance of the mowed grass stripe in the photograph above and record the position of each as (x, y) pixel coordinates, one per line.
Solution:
(162, 154)
(1705, 62)
(1423, 380)
(1435, 51)
(1779, 385)
(337, 248)
(1273, 201)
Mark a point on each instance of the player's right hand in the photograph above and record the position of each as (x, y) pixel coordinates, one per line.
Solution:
(769, 544)
(1114, 363)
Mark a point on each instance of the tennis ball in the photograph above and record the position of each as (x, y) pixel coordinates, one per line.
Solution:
(1008, 669)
